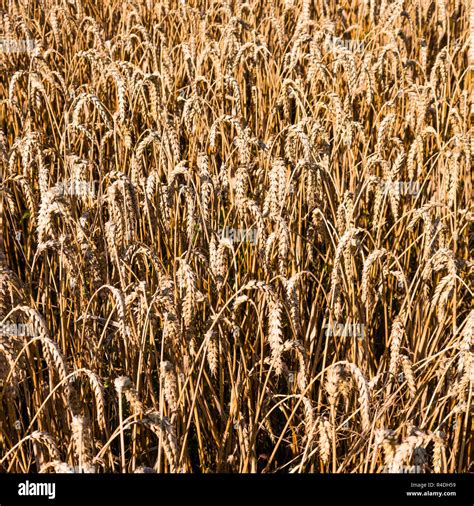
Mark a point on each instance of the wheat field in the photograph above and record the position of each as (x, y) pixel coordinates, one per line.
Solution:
(236, 236)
